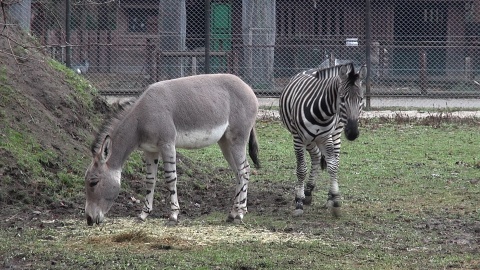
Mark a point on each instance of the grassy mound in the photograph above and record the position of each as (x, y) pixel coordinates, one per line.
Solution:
(48, 115)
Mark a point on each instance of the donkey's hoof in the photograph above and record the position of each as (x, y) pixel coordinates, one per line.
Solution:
(230, 219)
(143, 216)
(307, 200)
(297, 212)
(238, 220)
(171, 222)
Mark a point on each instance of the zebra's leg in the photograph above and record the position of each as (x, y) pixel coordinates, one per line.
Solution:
(237, 160)
(332, 159)
(315, 157)
(150, 181)
(301, 174)
(170, 175)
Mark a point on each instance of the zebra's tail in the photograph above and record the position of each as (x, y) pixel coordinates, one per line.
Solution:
(323, 163)
(253, 148)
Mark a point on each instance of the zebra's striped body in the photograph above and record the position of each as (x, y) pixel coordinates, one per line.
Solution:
(316, 106)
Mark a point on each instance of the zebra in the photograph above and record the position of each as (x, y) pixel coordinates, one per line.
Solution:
(190, 112)
(316, 106)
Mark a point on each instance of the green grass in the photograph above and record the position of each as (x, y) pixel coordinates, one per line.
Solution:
(411, 200)
(84, 93)
(6, 91)
(37, 166)
(26, 150)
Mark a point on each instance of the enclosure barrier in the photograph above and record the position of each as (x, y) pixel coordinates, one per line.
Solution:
(414, 48)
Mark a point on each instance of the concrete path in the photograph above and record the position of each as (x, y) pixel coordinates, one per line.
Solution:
(267, 103)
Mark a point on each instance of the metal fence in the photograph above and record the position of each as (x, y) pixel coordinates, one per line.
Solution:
(420, 48)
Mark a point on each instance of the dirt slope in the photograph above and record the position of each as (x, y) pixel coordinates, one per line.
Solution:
(48, 119)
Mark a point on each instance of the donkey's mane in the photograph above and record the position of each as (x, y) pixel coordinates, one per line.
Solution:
(119, 112)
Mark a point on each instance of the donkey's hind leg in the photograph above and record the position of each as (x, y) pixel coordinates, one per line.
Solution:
(170, 174)
(237, 159)
(151, 160)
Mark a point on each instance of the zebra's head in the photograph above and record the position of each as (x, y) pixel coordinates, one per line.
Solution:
(102, 184)
(351, 98)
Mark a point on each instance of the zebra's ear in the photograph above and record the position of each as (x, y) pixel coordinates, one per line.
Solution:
(362, 73)
(343, 72)
(106, 149)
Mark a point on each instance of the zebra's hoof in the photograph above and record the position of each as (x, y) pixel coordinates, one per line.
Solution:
(328, 204)
(336, 212)
(297, 212)
(307, 200)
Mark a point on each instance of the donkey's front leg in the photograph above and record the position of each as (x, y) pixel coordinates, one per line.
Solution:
(150, 181)
(239, 208)
(170, 174)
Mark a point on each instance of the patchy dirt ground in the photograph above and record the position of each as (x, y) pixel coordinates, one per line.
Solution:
(40, 102)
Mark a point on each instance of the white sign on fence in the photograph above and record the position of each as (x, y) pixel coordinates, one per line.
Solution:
(351, 41)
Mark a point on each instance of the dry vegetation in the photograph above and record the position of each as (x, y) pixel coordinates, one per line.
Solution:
(411, 188)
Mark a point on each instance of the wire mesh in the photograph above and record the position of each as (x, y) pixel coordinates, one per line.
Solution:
(424, 48)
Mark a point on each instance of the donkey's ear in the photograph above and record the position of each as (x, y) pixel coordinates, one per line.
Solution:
(343, 73)
(362, 73)
(106, 150)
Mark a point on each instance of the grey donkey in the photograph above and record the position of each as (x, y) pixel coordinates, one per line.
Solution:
(190, 112)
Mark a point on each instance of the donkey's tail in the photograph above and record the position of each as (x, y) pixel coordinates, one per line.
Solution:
(253, 148)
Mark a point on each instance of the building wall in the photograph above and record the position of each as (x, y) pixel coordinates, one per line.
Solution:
(307, 32)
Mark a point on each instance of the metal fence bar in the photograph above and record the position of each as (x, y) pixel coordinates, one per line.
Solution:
(207, 36)
(368, 50)
(422, 48)
(68, 21)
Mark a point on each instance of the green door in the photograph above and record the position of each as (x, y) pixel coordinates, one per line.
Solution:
(221, 35)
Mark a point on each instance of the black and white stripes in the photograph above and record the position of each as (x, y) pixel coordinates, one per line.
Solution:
(316, 106)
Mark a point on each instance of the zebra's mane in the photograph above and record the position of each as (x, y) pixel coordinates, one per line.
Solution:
(119, 112)
(330, 72)
(325, 72)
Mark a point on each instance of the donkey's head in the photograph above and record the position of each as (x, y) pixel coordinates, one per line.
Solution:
(102, 184)
(351, 98)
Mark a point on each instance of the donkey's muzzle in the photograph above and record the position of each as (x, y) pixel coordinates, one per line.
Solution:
(351, 130)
